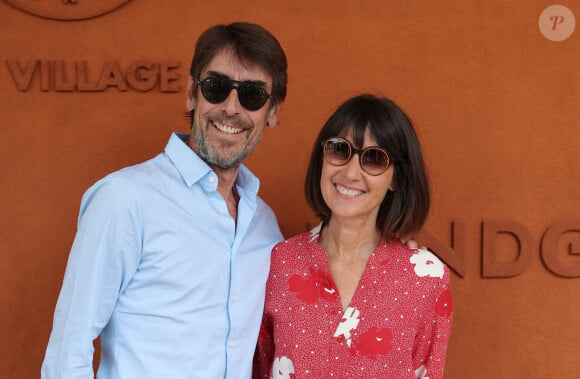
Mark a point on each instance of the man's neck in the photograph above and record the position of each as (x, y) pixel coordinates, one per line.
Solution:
(226, 188)
(226, 179)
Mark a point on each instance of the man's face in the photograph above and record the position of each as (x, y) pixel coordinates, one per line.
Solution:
(224, 134)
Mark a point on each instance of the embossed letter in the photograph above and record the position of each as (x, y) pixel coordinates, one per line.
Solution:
(22, 78)
(141, 76)
(567, 265)
(491, 266)
(453, 256)
(111, 76)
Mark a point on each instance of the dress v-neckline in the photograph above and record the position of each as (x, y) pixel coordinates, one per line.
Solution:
(360, 284)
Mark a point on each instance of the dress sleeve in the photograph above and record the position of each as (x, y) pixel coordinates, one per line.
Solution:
(431, 341)
(265, 349)
(264, 355)
(102, 260)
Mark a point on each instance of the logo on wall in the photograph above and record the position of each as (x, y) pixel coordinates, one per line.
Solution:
(67, 10)
(557, 23)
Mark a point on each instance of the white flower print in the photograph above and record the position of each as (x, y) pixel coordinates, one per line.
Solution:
(349, 322)
(427, 264)
(282, 368)
(421, 372)
(315, 232)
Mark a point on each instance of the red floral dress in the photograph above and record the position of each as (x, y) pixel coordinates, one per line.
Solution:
(396, 326)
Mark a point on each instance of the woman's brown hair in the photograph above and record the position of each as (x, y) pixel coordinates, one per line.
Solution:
(404, 210)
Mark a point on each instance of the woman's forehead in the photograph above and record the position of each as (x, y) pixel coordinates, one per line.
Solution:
(358, 136)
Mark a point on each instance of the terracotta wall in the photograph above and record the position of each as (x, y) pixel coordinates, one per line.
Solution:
(495, 103)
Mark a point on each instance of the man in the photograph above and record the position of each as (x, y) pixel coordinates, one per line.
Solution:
(171, 256)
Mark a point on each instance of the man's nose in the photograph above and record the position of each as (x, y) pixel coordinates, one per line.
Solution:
(231, 104)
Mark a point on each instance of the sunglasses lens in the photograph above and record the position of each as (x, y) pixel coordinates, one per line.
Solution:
(252, 97)
(374, 161)
(336, 151)
(216, 90)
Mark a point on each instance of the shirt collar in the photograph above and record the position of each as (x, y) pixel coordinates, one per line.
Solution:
(193, 169)
(248, 181)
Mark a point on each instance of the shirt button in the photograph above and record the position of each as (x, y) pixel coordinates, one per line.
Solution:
(222, 211)
(232, 344)
(211, 179)
(234, 298)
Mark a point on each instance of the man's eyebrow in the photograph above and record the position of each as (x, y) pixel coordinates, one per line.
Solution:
(216, 74)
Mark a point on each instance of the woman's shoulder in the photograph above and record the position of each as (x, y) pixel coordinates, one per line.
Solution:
(299, 240)
(422, 262)
(299, 250)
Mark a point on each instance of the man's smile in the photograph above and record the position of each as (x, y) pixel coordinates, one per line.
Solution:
(227, 129)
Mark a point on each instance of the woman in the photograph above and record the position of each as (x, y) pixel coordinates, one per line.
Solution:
(348, 299)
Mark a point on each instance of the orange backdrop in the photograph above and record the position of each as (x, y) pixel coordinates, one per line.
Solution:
(495, 104)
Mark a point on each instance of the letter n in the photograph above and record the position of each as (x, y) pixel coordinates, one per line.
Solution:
(453, 256)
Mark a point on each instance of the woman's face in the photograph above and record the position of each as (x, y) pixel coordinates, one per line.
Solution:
(351, 193)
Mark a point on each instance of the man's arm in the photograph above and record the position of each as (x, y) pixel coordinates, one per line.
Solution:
(104, 256)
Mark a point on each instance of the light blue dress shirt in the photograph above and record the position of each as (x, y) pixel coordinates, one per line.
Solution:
(163, 274)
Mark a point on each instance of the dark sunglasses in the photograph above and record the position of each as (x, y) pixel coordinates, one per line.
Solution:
(338, 151)
(216, 90)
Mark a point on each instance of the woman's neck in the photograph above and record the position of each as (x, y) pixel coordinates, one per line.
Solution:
(349, 239)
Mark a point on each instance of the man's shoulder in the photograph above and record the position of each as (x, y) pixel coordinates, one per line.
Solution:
(139, 172)
(126, 181)
(265, 221)
(262, 206)
(145, 169)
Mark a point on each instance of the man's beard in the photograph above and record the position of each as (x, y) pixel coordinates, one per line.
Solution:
(215, 157)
